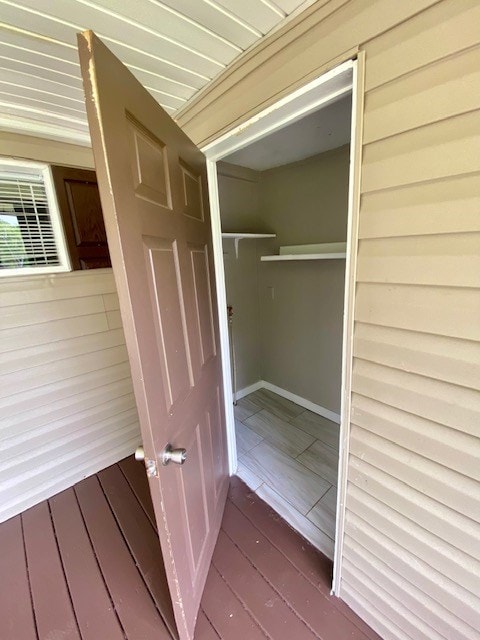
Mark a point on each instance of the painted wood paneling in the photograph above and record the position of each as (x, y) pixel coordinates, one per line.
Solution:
(66, 397)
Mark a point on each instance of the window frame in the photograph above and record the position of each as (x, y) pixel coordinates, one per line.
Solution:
(44, 170)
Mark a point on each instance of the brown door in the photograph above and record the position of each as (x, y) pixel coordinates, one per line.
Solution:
(153, 189)
(79, 203)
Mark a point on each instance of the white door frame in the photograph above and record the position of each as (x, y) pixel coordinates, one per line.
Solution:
(328, 87)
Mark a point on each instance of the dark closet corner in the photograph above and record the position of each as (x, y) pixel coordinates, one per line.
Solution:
(79, 203)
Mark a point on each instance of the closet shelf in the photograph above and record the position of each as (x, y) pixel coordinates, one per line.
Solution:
(323, 251)
(245, 236)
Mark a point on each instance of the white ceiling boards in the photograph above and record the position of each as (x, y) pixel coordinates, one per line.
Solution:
(173, 47)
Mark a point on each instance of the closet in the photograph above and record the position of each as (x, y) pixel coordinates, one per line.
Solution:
(284, 214)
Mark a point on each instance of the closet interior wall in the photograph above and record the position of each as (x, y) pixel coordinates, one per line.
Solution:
(288, 317)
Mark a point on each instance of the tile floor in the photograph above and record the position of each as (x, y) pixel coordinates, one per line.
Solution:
(289, 457)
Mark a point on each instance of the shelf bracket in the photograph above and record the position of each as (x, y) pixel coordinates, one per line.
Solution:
(237, 241)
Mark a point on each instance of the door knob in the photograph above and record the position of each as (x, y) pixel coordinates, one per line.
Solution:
(169, 454)
(139, 454)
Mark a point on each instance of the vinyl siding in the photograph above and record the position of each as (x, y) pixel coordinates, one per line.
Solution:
(413, 498)
(66, 397)
(410, 564)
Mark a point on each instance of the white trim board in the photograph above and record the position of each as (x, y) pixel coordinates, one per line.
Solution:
(324, 89)
(246, 391)
(302, 402)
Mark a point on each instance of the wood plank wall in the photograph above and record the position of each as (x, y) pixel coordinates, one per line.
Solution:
(411, 563)
(66, 398)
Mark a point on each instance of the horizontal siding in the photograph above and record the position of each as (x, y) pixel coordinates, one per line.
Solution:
(445, 206)
(408, 594)
(446, 88)
(441, 357)
(443, 311)
(411, 562)
(451, 260)
(447, 404)
(457, 451)
(438, 150)
(66, 396)
(445, 522)
(444, 30)
(417, 300)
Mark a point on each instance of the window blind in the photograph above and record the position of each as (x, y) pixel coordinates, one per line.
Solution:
(27, 236)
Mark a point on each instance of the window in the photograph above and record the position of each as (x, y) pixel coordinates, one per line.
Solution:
(31, 234)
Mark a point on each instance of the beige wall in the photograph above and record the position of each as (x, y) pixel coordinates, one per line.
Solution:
(411, 555)
(42, 150)
(239, 198)
(287, 323)
(66, 398)
(301, 326)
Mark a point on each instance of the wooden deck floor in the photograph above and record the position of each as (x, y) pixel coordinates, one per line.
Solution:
(86, 565)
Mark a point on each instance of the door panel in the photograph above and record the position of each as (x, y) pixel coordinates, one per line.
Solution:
(203, 301)
(150, 167)
(166, 291)
(153, 189)
(79, 203)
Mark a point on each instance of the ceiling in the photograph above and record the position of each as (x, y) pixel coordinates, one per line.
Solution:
(325, 129)
(173, 47)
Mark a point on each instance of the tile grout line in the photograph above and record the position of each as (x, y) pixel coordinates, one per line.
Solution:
(303, 515)
(299, 513)
(310, 471)
(295, 459)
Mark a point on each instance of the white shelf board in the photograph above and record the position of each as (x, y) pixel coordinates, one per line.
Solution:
(322, 251)
(245, 236)
(241, 236)
(303, 256)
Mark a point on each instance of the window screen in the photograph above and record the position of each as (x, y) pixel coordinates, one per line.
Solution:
(29, 225)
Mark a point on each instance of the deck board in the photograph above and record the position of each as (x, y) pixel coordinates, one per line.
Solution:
(204, 629)
(91, 600)
(141, 538)
(319, 613)
(47, 578)
(16, 611)
(135, 608)
(256, 594)
(313, 565)
(87, 564)
(135, 475)
(227, 614)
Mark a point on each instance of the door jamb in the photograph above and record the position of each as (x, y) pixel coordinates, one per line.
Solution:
(277, 116)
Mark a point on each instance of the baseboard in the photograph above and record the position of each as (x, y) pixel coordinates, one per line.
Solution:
(307, 404)
(241, 393)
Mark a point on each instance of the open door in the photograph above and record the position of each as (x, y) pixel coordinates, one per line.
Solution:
(153, 188)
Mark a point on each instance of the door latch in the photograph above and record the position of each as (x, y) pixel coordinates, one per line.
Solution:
(150, 465)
